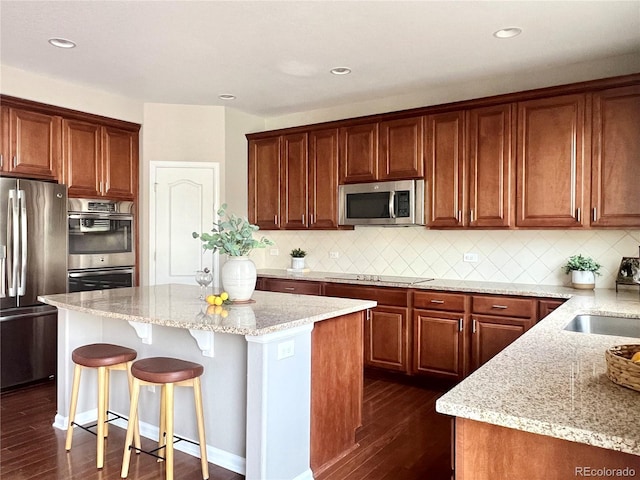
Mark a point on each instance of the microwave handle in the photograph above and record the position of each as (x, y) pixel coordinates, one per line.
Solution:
(392, 197)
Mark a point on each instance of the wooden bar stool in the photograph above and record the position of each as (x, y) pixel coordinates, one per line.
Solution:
(105, 357)
(166, 373)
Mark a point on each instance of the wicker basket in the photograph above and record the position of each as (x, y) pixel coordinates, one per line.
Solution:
(620, 368)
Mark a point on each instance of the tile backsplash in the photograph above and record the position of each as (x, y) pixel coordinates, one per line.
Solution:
(514, 256)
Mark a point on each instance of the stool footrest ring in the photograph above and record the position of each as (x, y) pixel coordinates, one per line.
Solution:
(88, 428)
(152, 453)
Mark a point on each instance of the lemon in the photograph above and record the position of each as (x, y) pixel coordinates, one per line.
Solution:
(217, 301)
(224, 296)
(224, 313)
(636, 357)
(218, 309)
(211, 299)
(211, 310)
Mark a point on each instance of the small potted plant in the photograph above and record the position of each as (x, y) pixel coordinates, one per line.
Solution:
(583, 272)
(297, 258)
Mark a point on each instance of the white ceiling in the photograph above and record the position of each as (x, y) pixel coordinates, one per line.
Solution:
(276, 56)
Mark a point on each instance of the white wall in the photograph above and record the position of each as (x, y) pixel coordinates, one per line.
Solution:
(452, 92)
(22, 84)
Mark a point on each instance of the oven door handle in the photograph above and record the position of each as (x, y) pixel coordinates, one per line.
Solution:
(93, 273)
(101, 216)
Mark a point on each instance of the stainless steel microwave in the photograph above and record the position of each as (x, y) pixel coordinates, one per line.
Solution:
(382, 203)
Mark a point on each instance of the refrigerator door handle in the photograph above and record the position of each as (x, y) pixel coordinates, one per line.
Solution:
(14, 238)
(22, 286)
(3, 272)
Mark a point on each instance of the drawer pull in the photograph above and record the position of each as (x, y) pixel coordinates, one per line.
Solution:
(289, 288)
(501, 307)
(474, 328)
(460, 324)
(437, 301)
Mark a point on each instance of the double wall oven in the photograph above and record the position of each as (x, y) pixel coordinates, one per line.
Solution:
(101, 244)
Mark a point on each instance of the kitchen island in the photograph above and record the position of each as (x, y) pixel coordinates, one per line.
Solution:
(544, 408)
(283, 376)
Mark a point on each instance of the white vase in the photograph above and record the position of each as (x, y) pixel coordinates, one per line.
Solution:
(583, 280)
(297, 263)
(238, 275)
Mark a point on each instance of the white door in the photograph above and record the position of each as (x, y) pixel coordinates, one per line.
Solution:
(184, 199)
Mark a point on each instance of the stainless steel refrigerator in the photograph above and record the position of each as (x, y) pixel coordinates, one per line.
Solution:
(33, 261)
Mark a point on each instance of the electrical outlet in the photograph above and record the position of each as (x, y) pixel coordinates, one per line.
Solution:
(274, 252)
(285, 349)
(334, 254)
(470, 257)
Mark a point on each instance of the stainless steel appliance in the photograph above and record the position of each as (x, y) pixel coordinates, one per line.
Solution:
(33, 261)
(382, 203)
(100, 278)
(101, 234)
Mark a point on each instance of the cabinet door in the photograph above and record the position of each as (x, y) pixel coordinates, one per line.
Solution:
(490, 335)
(119, 163)
(439, 344)
(4, 139)
(81, 158)
(615, 195)
(323, 179)
(546, 306)
(359, 153)
(444, 159)
(294, 181)
(34, 144)
(264, 183)
(400, 149)
(386, 336)
(551, 162)
(491, 170)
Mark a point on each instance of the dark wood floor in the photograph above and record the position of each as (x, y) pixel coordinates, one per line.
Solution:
(402, 438)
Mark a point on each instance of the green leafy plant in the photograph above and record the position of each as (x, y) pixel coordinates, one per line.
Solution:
(232, 235)
(298, 253)
(583, 264)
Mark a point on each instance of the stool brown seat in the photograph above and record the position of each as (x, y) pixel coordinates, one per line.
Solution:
(167, 373)
(104, 357)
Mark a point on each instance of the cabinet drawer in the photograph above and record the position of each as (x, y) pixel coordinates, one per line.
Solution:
(452, 302)
(302, 287)
(504, 306)
(397, 297)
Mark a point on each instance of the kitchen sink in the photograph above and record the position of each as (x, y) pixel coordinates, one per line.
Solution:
(619, 326)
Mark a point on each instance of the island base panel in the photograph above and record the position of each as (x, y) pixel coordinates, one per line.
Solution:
(336, 388)
(488, 452)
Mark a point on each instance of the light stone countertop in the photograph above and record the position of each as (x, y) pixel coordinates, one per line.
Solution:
(549, 381)
(466, 286)
(178, 306)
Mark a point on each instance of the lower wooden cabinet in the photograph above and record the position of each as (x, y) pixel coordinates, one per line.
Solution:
(490, 335)
(302, 287)
(386, 337)
(548, 305)
(439, 344)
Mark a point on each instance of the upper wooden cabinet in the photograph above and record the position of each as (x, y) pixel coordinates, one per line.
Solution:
(491, 149)
(444, 158)
(359, 153)
(264, 182)
(31, 143)
(293, 181)
(400, 149)
(323, 179)
(99, 161)
(119, 163)
(615, 170)
(551, 163)
(294, 185)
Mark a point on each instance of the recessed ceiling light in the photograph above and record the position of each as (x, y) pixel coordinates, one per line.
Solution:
(507, 32)
(226, 96)
(341, 71)
(61, 43)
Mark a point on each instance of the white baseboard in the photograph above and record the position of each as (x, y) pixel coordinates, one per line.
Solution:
(219, 457)
(307, 475)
